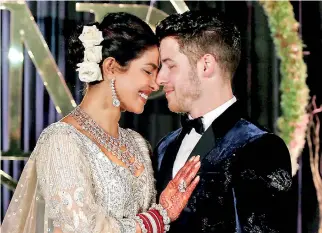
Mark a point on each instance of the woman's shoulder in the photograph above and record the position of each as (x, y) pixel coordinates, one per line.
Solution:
(57, 129)
(60, 134)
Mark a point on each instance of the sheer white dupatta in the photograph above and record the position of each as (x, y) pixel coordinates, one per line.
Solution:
(26, 206)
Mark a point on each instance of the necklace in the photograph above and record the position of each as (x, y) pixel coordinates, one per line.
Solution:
(121, 147)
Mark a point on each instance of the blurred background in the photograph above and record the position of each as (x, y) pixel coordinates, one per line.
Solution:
(27, 107)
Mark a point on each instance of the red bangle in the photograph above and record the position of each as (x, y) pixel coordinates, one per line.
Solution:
(146, 223)
(160, 218)
(156, 218)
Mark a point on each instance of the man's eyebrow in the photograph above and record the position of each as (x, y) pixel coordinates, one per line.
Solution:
(166, 60)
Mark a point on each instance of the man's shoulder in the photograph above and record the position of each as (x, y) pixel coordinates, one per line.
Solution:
(258, 134)
(248, 132)
(245, 128)
(254, 125)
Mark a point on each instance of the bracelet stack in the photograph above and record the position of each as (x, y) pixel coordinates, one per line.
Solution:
(156, 220)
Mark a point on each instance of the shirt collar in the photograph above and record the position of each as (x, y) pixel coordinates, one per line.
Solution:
(209, 117)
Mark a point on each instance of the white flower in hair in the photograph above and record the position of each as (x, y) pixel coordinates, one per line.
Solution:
(93, 54)
(89, 72)
(91, 36)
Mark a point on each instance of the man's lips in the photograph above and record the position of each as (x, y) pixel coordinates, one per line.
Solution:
(168, 91)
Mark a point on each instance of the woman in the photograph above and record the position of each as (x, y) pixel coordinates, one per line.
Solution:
(86, 174)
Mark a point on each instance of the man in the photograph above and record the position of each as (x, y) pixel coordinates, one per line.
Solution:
(245, 173)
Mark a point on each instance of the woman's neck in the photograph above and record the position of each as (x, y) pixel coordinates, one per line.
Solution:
(102, 111)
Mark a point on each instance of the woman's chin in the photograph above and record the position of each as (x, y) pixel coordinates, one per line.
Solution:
(139, 110)
(136, 109)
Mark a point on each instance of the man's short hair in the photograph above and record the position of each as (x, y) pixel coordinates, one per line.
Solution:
(204, 32)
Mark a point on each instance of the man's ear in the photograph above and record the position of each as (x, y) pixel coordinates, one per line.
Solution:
(208, 65)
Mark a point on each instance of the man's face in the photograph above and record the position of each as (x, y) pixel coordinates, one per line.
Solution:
(179, 78)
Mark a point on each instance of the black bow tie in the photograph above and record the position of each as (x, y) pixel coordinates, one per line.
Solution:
(188, 124)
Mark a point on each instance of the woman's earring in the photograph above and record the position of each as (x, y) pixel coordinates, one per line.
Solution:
(115, 100)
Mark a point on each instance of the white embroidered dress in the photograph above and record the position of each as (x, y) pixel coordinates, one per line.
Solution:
(68, 184)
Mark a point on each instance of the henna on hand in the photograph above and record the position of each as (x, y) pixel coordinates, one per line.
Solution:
(174, 201)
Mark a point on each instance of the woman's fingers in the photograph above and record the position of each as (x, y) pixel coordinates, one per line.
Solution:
(176, 178)
(192, 187)
(192, 173)
(185, 169)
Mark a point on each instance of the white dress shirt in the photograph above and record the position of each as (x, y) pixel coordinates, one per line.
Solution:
(190, 140)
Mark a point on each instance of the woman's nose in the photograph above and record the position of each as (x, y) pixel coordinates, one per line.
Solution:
(154, 86)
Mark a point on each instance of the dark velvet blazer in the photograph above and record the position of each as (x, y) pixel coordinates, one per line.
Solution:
(245, 178)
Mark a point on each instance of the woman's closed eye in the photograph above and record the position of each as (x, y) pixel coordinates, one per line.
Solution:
(148, 72)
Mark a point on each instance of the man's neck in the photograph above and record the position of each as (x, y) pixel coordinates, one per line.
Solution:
(209, 103)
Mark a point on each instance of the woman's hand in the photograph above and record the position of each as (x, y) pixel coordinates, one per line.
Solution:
(176, 195)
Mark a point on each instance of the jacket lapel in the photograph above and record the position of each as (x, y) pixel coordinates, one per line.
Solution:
(205, 144)
(217, 130)
(165, 172)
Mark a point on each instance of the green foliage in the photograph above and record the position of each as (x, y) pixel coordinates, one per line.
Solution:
(289, 48)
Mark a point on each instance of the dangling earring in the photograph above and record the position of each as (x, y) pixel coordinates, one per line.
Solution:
(115, 100)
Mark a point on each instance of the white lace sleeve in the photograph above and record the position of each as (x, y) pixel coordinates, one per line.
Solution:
(66, 185)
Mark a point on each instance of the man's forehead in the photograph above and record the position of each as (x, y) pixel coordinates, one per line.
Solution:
(168, 47)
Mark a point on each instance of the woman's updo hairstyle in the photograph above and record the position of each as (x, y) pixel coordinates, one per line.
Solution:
(126, 37)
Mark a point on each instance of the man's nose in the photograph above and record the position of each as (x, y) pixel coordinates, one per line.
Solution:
(161, 78)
